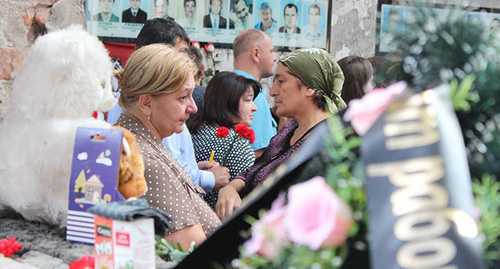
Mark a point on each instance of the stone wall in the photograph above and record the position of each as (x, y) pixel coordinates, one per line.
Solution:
(353, 31)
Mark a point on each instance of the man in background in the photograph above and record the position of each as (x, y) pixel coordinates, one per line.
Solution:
(134, 14)
(291, 14)
(267, 24)
(254, 58)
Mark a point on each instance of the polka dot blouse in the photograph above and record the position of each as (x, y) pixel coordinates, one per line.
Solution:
(169, 186)
(240, 158)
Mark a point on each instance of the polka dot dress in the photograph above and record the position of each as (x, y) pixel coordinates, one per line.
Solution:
(240, 158)
(169, 186)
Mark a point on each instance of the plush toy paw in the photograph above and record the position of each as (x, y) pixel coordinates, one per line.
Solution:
(131, 181)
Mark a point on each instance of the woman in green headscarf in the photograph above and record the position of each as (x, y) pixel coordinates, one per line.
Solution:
(306, 89)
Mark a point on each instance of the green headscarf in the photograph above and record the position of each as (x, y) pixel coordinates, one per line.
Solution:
(320, 72)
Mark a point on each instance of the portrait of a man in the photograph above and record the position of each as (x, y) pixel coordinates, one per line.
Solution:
(161, 9)
(267, 23)
(314, 28)
(134, 14)
(106, 12)
(290, 15)
(241, 17)
(214, 19)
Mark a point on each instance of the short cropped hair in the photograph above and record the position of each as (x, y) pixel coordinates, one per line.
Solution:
(314, 6)
(160, 30)
(246, 40)
(290, 5)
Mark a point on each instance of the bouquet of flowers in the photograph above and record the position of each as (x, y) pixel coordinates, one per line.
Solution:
(311, 224)
(241, 130)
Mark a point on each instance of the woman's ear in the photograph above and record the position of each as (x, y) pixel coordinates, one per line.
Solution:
(309, 91)
(145, 104)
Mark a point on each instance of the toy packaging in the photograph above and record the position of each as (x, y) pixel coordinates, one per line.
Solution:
(93, 179)
(124, 244)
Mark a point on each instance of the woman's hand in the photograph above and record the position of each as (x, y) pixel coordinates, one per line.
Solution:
(221, 175)
(229, 199)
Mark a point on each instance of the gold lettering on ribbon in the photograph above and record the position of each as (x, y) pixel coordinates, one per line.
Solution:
(421, 197)
(421, 225)
(408, 173)
(427, 254)
(414, 125)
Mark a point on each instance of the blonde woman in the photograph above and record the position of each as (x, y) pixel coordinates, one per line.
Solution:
(156, 94)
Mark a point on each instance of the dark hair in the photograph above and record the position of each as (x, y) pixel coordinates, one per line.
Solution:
(289, 5)
(264, 6)
(222, 100)
(195, 54)
(357, 72)
(185, 2)
(160, 30)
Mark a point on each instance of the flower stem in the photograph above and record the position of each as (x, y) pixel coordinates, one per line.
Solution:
(224, 161)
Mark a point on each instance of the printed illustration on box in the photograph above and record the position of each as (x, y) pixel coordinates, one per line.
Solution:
(88, 184)
(93, 179)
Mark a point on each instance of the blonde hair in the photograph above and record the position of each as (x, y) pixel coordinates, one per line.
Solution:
(154, 69)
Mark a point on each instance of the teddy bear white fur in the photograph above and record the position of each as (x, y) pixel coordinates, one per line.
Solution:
(64, 79)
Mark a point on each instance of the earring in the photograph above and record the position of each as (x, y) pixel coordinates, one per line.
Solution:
(149, 116)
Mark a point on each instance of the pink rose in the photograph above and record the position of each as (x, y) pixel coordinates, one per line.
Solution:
(315, 216)
(362, 113)
(268, 233)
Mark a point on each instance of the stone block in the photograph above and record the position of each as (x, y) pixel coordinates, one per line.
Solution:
(7, 263)
(11, 59)
(42, 260)
(13, 28)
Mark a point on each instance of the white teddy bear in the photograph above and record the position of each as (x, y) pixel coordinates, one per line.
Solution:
(65, 78)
